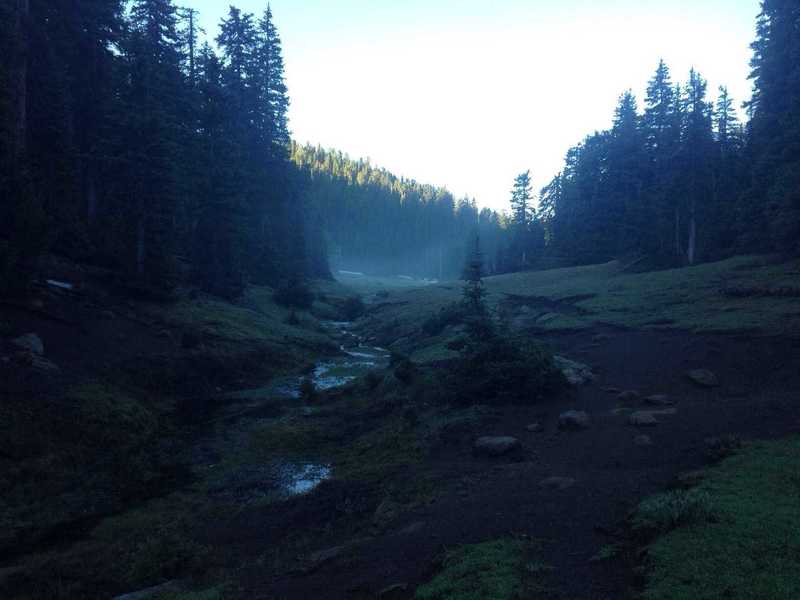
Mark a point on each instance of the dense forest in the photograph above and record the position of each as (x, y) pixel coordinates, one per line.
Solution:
(684, 181)
(130, 145)
(379, 223)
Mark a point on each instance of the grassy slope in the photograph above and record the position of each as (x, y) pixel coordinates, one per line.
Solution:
(751, 546)
(122, 417)
(689, 298)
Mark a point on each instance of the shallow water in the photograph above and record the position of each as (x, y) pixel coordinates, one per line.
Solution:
(356, 360)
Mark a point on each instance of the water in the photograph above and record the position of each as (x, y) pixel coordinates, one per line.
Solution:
(287, 478)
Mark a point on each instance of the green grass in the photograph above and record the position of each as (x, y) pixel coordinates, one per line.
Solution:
(690, 298)
(751, 548)
(496, 570)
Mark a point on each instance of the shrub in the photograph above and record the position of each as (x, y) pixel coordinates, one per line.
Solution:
(480, 571)
(499, 370)
(453, 314)
(664, 512)
(353, 308)
(294, 294)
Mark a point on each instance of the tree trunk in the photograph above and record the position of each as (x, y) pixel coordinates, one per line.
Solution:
(690, 251)
(21, 104)
(91, 192)
(678, 252)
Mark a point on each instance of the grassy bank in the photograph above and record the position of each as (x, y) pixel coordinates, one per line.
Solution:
(739, 537)
(747, 294)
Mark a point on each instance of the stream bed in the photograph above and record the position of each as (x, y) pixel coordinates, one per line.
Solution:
(284, 479)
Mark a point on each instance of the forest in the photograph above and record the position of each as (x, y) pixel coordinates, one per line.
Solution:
(170, 160)
(236, 365)
(130, 144)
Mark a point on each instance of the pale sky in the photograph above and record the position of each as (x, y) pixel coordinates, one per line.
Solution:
(466, 94)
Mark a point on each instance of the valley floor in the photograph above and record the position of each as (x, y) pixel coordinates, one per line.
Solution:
(193, 397)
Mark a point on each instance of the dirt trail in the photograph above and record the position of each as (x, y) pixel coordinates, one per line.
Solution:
(485, 499)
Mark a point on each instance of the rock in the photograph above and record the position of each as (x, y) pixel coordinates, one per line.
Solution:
(689, 479)
(190, 340)
(573, 420)
(547, 318)
(396, 591)
(387, 511)
(659, 400)
(628, 396)
(496, 446)
(575, 373)
(412, 529)
(35, 362)
(718, 448)
(170, 587)
(557, 483)
(164, 334)
(611, 390)
(703, 378)
(30, 342)
(642, 419)
(45, 366)
(317, 559)
(643, 441)
(535, 428)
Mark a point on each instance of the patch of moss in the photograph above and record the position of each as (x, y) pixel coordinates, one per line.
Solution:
(110, 416)
(751, 549)
(494, 569)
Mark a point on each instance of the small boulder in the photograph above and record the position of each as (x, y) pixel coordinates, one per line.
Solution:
(643, 419)
(703, 378)
(396, 591)
(385, 514)
(557, 483)
(496, 445)
(659, 400)
(573, 420)
(317, 559)
(628, 396)
(643, 441)
(171, 587)
(30, 342)
(535, 428)
(574, 372)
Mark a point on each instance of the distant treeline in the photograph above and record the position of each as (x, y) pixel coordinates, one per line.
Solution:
(381, 224)
(127, 143)
(684, 181)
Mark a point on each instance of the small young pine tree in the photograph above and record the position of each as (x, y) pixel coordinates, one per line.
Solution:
(474, 292)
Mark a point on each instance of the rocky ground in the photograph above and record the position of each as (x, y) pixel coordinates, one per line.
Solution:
(569, 472)
(150, 444)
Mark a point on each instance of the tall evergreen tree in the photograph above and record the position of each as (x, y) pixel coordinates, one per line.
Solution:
(771, 208)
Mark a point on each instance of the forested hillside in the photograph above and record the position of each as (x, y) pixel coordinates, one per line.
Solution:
(382, 224)
(683, 180)
(129, 144)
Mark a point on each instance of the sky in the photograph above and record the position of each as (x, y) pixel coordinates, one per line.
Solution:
(466, 94)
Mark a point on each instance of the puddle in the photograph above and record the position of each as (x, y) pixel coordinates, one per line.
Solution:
(275, 481)
(303, 478)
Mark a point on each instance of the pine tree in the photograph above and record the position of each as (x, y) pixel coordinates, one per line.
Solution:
(474, 293)
(150, 142)
(771, 208)
(661, 141)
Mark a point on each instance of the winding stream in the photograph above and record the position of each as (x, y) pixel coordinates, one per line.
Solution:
(286, 478)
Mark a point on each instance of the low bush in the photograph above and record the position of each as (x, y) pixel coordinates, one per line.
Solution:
(668, 511)
(500, 370)
(353, 308)
(294, 294)
(452, 314)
